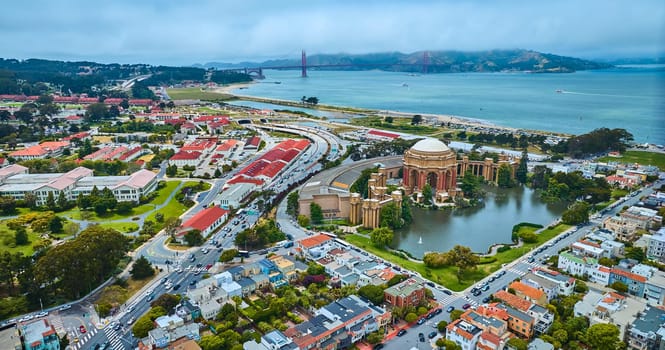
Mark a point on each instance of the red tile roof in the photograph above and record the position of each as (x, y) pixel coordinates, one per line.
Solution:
(529, 291)
(629, 275)
(314, 241)
(253, 141)
(184, 155)
(203, 219)
(513, 300)
(383, 134)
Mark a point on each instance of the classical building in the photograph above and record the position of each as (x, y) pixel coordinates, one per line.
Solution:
(431, 162)
(368, 211)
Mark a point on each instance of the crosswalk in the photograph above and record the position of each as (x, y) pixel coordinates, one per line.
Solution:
(83, 338)
(56, 321)
(114, 339)
(448, 299)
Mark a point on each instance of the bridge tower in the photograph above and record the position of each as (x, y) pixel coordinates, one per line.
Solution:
(425, 61)
(303, 65)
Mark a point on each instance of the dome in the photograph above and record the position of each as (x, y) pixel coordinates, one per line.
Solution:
(430, 145)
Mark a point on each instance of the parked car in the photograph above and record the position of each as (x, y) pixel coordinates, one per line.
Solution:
(421, 321)
(82, 329)
(450, 309)
(421, 337)
(401, 332)
(432, 335)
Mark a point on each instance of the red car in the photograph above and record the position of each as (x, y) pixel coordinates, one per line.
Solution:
(82, 329)
(466, 306)
(208, 266)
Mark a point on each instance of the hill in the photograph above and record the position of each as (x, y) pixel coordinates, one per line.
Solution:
(439, 62)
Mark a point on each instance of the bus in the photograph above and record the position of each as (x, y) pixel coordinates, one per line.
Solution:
(243, 253)
(342, 243)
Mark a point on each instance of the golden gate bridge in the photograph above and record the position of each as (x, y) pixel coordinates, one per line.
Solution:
(257, 72)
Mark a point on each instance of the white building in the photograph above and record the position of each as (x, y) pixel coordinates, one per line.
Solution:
(656, 246)
(15, 182)
(234, 195)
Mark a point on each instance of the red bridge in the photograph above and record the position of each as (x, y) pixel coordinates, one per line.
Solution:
(257, 72)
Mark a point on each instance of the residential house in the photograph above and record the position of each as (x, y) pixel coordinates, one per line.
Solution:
(39, 335)
(588, 248)
(635, 218)
(542, 317)
(285, 266)
(636, 283)
(656, 246)
(609, 308)
(314, 247)
(463, 334)
(528, 292)
(647, 330)
(162, 337)
(550, 288)
(565, 282)
(574, 264)
(274, 340)
(406, 293)
(186, 158)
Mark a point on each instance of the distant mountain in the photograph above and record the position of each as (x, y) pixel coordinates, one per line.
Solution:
(439, 62)
(618, 61)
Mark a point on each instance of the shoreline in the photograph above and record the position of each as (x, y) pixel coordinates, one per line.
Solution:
(366, 112)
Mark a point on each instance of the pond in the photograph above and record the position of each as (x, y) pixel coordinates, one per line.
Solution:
(478, 227)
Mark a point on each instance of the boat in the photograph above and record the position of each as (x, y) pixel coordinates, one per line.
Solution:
(278, 82)
(420, 241)
(559, 91)
(405, 85)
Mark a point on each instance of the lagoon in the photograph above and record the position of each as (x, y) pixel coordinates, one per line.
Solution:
(478, 227)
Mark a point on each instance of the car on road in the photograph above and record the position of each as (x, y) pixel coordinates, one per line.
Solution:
(429, 316)
(130, 321)
(64, 307)
(477, 293)
(42, 314)
(176, 287)
(150, 298)
(401, 332)
(82, 329)
(486, 288)
(117, 326)
(450, 309)
(378, 346)
(531, 260)
(447, 292)
(486, 300)
(432, 334)
(466, 306)
(437, 311)
(148, 292)
(503, 272)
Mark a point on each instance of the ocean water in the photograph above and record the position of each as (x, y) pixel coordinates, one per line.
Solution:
(627, 97)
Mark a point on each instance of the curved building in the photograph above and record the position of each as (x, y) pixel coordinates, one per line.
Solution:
(431, 162)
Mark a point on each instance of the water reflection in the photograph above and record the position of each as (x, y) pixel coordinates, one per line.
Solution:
(477, 227)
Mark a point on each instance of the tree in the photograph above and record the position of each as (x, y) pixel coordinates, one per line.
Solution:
(62, 202)
(463, 258)
(141, 269)
(390, 216)
(441, 326)
(372, 293)
(21, 236)
(171, 225)
(518, 344)
(292, 203)
(577, 213)
(166, 301)
(303, 221)
(55, 225)
(228, 255)
(503, 177)
(427, 194)
(217, 173)
(636, 253)
(315, 269)
(96, 112)
(374, 337)
(603, 336)
(416, 119)
(388, 119)
(528, 237)
(447, 344)
(580, 287)
(193, 238)
(619, 286)
(411, 317)
(315, 213)
(171, 170)
(455, 314)
(522, 168)
(124, 208)
(471, 184)
(50, 201)
(382, 236)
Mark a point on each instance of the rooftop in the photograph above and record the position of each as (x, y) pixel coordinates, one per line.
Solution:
(203, 219)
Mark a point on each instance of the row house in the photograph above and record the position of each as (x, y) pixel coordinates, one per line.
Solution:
(656, 245)
(565, 283)
(543, 318)
(647, 330)
(528, 292)
(464, 334)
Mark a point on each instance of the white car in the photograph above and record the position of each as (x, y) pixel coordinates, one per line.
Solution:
(130, 321)
(64, 307)
(148, 292)
(41, 314)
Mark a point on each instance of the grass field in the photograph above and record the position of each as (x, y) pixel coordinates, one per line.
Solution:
(195, 94)
(641, 157)
(398, 124)
(447, 276)
(7, 236)
(162, 195)
(124, 227)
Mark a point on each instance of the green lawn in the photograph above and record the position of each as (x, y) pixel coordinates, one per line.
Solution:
(195, 94)
(398, 124)
(7, 236)
(162, 195)
(124, 227)
(447, 276)
(641, 157)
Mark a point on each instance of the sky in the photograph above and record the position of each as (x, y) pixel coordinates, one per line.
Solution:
(178, 32)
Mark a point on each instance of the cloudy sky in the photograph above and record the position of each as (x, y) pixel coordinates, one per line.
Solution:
(198, 31)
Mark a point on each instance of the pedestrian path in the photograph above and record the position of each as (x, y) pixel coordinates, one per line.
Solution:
(448, 299)
(56, 322)
(83, 338)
